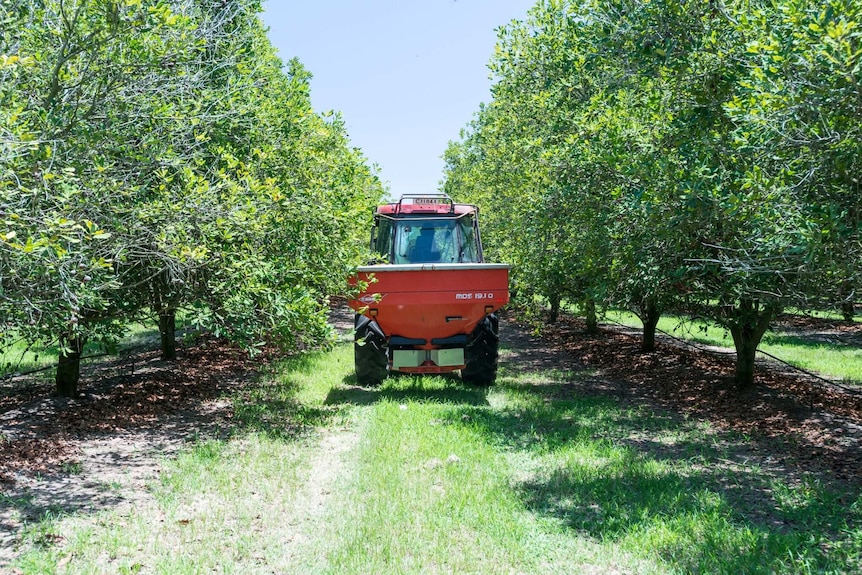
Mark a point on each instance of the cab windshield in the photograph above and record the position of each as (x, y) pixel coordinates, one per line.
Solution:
(420, 241)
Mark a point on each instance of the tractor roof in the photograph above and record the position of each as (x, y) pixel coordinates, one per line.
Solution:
(426, 204)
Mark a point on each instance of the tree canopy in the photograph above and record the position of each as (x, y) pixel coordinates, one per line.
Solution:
(660, 155)
(158, 156)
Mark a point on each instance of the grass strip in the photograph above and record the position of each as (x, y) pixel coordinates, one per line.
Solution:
(432, 495)
(228, 506)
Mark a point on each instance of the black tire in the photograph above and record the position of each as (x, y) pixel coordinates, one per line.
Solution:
(370, 352)
(481, 353)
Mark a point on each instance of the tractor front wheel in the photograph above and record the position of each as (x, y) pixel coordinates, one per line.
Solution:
(481, 353)
(370, 354)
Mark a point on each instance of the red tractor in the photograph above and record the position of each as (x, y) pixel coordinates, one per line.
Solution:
(431, 307)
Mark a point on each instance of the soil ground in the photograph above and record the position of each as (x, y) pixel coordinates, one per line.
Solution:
(100, 450)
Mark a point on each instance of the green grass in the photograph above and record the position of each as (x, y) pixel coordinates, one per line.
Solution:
(433, 493)
(832, 360)
(433, 476)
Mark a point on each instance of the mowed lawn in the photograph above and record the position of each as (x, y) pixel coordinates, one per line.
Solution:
(427, 475)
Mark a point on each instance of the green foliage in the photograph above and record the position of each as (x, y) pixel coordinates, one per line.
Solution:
(798, 112)
(690, 156)
(156, 156)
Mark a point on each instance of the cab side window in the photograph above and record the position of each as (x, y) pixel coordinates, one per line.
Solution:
(469, 250)
(384, 240)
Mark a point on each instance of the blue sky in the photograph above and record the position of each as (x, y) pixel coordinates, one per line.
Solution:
(405, 75)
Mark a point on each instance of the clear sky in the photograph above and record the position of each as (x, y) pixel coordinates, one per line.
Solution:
(406, 75)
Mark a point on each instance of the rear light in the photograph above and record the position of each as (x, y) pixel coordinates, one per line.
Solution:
(489, 309)
(372, 312)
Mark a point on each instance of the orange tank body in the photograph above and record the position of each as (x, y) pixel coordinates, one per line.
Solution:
(431, 301)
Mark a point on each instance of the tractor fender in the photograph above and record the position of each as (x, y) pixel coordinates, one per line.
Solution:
(364, 322)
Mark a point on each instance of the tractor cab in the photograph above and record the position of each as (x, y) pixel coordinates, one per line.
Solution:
(427, 229)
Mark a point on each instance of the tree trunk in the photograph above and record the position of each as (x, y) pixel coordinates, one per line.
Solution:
(69, 365)
(650, 315)
(164, 304)
(554, 314)
(848, 310)
(747, 328)
(590, 313)
(168, 332)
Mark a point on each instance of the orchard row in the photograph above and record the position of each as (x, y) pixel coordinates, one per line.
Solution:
(157, 156)
(696, 157)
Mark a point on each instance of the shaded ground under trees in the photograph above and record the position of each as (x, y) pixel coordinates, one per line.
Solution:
(810, 425)
(800, 424)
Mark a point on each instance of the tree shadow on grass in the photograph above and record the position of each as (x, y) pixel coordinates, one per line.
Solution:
(678, 518)
(285, 419)
(662, 486)
(443, 389)
(549, 416)
(271, 405)
(98, 452)
(826, 340)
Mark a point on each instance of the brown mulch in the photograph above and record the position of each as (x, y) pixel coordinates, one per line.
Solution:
(810, 425)
(41, 431)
